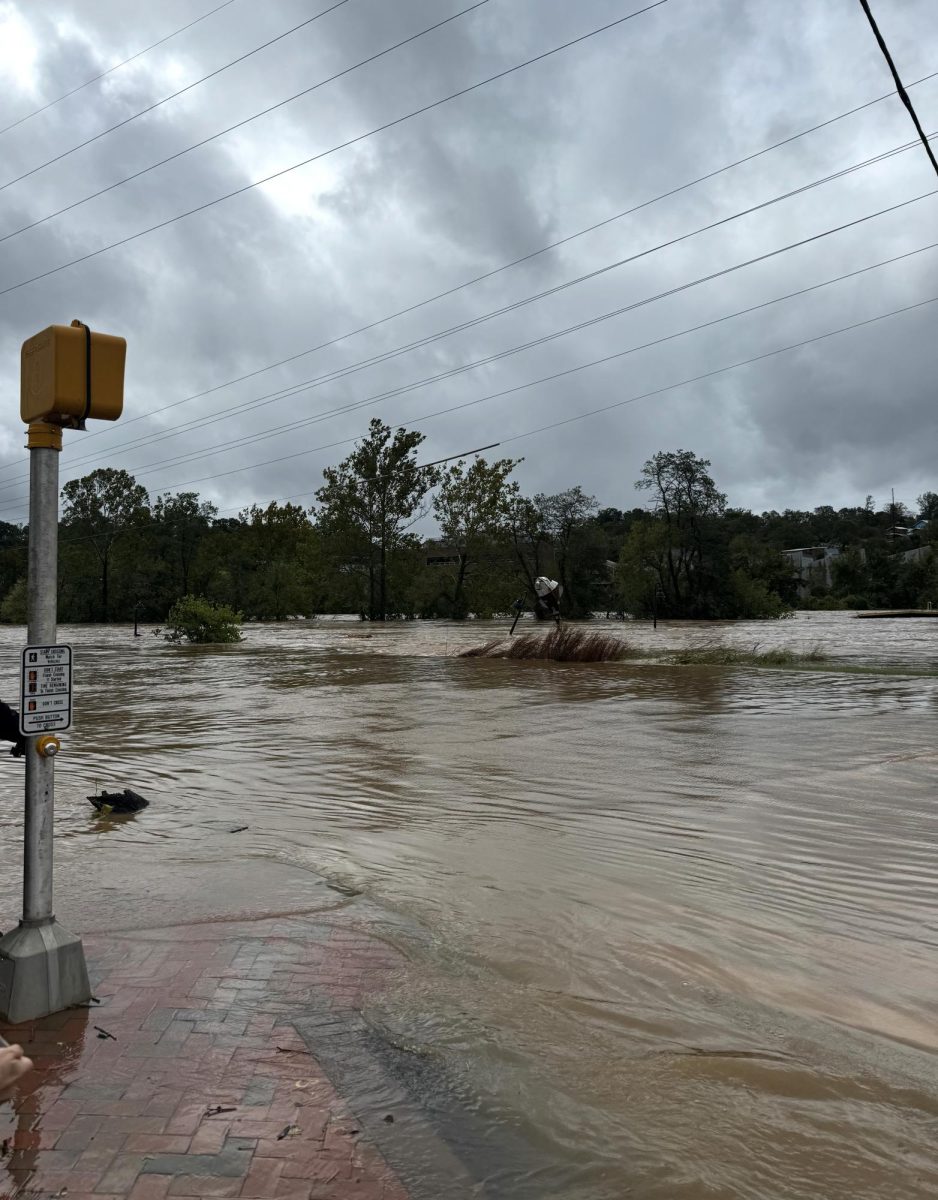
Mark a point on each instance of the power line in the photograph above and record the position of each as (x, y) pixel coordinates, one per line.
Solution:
(605, 408)
(605, 359)
(746, 362)
(436, 462)
(157, 104)
(247, 120)
(196, 456)
(117, 66)
(497, 270)
(349, 369)
(902, 93)
(593, 412)
(332, 150)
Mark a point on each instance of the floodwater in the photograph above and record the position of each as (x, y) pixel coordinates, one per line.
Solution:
(670, 932)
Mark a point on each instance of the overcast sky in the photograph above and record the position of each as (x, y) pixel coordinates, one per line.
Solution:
(401, 216)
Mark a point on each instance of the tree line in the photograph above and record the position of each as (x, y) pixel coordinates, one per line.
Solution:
(683, 553)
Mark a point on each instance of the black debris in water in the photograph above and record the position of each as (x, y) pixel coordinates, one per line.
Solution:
(118, 802)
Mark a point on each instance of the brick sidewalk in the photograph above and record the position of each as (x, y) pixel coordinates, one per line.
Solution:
(201, 1022)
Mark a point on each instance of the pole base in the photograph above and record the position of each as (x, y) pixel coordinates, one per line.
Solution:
(42, 971)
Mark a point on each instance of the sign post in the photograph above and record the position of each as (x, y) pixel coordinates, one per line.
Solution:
(68, 375)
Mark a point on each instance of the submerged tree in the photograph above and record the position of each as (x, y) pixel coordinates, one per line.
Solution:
(686, 502)
(578, 548)
(473, 508)
(180, 524)
(369, 502)
(100, 509)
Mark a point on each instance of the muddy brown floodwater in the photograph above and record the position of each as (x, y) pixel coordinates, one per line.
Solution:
(670, 932)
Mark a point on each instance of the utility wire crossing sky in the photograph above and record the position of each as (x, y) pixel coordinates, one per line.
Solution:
(593, 231)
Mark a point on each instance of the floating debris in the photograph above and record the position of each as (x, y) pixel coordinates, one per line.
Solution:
(118, 802)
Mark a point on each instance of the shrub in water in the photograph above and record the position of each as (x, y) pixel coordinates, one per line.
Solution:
(197, 620)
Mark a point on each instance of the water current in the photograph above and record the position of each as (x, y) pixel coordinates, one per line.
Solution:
(669, 932)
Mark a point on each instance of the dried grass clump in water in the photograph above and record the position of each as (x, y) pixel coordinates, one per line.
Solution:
(564, 643)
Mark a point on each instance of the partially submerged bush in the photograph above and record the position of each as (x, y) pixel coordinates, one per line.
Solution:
(197, 620)
(564, 643)
(737, 656)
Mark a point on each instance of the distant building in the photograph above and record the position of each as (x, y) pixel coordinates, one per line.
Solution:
(812, 566)
(916, 554)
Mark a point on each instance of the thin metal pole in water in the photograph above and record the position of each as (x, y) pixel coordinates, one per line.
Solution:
(42, 582)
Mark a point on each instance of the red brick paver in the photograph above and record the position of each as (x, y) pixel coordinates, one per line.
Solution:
(204, 1087)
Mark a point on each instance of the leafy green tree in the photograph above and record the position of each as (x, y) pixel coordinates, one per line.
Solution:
(917, 579)
(641, 571)
(765, 565)
(577, 558)
(100, 510)
(692, 558)
(530, 539)
(275, 555)
(178, 532)
(368, 504)
(928, 506)
(14, 540)
(13, 610)
(850, 578)
(687, 504)
(473, 508)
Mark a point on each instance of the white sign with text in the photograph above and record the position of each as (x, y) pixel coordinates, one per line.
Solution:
(46, 689)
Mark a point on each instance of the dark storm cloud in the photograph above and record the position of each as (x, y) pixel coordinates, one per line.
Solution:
(459, 191)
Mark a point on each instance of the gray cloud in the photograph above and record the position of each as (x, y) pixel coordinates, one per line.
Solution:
(459, 191)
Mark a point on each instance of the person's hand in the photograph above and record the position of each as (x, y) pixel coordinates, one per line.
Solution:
(13, 1066)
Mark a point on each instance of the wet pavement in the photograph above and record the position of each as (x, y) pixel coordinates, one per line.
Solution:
(189, 1078)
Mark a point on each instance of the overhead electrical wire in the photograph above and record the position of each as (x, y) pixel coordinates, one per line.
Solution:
(139, 54)
(254, 439)
(349, 369)
(173, 96)
(900, 90)
(504, 440)
(592, 412)
(605, 359)
(495, 271)
(746, 362)
(332, 150)
(247, 120)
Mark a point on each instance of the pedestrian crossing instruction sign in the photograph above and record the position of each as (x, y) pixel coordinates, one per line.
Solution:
(46, 689)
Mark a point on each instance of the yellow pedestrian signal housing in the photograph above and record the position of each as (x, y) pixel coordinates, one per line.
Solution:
(68, 373)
